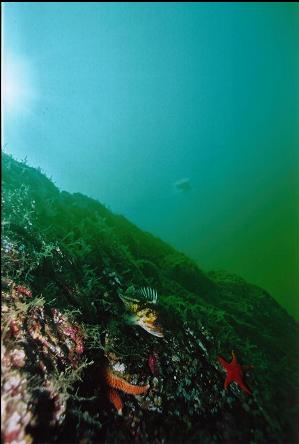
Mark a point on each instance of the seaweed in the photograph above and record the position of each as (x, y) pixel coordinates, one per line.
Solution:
(79, 256)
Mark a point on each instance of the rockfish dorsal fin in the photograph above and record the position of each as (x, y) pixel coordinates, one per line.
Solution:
(149, 294)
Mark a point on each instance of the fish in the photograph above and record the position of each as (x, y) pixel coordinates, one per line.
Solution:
(183, 185)
(139, 303)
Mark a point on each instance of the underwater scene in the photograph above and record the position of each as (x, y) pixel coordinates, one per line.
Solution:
(150, 223)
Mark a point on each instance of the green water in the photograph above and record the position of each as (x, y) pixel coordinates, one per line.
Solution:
(120, 101)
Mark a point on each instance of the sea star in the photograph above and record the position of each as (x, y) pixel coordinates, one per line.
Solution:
(116, 383)
(234, 373)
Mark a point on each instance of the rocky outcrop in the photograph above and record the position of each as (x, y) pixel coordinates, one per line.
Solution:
(66, 260)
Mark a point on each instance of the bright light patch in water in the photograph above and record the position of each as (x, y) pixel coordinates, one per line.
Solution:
(17, 91)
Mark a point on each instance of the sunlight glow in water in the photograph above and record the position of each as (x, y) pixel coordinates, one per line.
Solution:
(17, 90)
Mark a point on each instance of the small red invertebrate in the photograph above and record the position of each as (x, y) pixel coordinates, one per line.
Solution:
(24, 291)
(153, 363)
(14, 328)
(11, 436)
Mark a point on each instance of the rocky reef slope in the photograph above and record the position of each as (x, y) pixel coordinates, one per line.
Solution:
(75, 371)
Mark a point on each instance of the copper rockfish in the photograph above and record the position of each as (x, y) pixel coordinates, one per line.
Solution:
(139, 303)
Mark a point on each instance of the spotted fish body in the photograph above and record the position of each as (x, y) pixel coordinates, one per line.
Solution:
(142, 313)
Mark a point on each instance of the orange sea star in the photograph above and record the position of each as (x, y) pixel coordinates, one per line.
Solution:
(234, 373)
(116, 383)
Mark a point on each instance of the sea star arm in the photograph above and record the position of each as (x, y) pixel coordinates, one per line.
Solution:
(223, 363)
(115, 399)
(242, 385)
(120, 384)
(234, 360)
(227, 381)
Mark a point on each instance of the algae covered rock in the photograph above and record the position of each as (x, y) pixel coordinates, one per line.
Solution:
(40, 362)
(66, 260)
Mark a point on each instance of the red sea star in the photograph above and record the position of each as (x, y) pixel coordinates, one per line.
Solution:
(234, 373)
